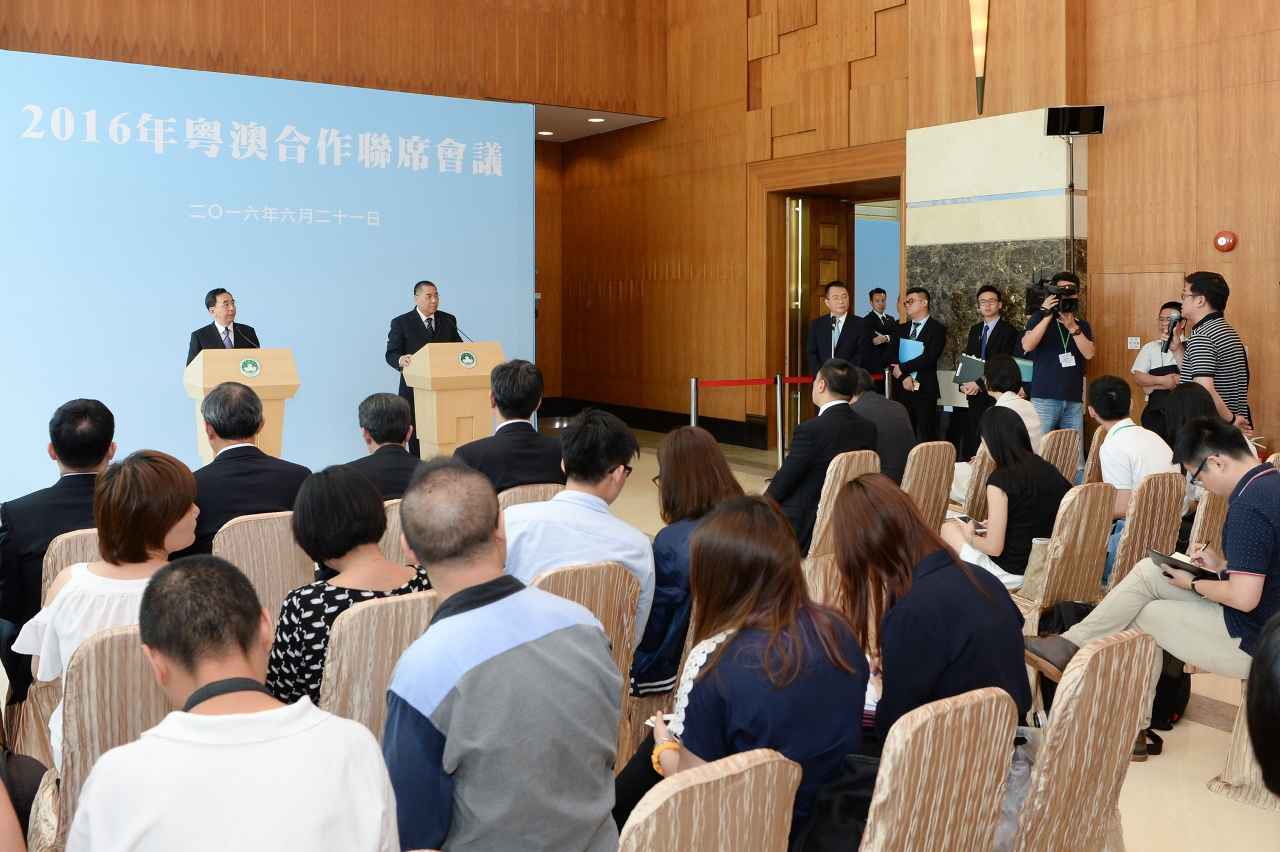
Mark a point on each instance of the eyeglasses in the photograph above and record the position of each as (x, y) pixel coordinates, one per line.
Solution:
(1186, 296)
(914, 301)
(655, 481)
(627, 468)
(1195, 477)
(987, 303)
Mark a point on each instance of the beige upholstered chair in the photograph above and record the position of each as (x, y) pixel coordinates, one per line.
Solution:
(1061, 448)
(612, 593)
(365, 644)
(975, 498)
(111, 698)
(927, 479)
(741, 803)
(67, 549)
(942, 776)
(536, 493)
(262, 546)
(1093, 465)
(1211, 514)
(1241, 777)
(1083, 758)
(1153, 519)
(390, 544)
(819, 565)
(1274, 459)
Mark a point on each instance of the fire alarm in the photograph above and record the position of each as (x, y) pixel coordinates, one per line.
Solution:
(1224, 241)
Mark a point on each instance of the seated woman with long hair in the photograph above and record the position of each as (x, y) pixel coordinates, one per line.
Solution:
(941, 628)
(693, 478)
(338, 520)
(1185, 403)
(772, 668)
(1023, 496)
(144, 508)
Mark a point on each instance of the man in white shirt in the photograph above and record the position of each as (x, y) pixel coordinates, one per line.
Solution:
(1156, 370)
(235, 768)
(1003, 379)
(575, 527)
(1127, 453)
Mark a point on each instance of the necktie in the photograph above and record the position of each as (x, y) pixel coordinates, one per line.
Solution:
(431, 329)
(986, 329)
(915, 329)
(226, 339)
(835, 336)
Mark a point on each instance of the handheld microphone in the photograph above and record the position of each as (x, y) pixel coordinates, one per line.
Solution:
(1174, 319)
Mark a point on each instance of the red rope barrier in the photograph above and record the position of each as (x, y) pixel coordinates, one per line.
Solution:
(737, 383)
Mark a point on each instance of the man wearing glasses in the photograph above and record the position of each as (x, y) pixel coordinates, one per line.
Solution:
(992, 336)
(224, 332)
(1156, 370)
(917, 378)
(1213, 355)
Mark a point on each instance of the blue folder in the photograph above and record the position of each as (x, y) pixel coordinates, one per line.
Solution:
(908, 350)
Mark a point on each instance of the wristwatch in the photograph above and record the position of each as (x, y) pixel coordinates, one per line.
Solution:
(1077, 331)
(1193, 586)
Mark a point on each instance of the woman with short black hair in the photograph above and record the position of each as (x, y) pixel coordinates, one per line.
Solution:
(338, 520)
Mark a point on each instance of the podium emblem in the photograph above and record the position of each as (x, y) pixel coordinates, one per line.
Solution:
(467, 358)
(250, 367)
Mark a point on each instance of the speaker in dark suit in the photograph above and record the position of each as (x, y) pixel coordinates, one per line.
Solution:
(992, 336)
(922, 400)
(241, 480)
(854, 341)
(516, 454)
(797, 486)
(223, 330)
(880, 323)
(414, 330)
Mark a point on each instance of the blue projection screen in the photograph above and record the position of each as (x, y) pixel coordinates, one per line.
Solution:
(132, 190)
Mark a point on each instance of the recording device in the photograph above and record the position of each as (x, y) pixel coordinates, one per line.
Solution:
(1174, 319)
(1067, 292)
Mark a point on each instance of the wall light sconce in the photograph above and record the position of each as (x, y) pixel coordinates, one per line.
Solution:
(978, 10)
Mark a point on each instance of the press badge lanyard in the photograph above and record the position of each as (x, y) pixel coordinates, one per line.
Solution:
(222, 687)
(1066, 359)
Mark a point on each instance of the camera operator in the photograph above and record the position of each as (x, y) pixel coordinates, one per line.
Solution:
(1213, 355)
(1156, 369)
(1059, 344)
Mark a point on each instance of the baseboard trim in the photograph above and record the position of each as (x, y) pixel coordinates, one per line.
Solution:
(753, 433)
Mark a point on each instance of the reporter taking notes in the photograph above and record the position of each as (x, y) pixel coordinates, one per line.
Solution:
(224, 332)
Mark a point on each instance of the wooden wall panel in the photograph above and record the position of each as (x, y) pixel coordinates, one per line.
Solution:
(548, 262)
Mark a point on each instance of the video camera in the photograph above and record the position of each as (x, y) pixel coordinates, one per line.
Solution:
(1068, 294)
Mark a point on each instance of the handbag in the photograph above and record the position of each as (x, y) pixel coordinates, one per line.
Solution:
(840, 809)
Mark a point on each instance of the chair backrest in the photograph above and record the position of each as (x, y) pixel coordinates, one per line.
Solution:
(741, 803)
(390, 544)
(365, 644)
(1077, 550)
(536, 493)
(262, 546)
(843, 468)
(612, 593)
(1084, 756)
(67, 549)
(927, 479)
(975, 498)
(1274, 459)
(1061, 448)
(942, 775)
(110, 697)
(1211, 514)
(644, 706)
(1093, 465)
(1152, 520)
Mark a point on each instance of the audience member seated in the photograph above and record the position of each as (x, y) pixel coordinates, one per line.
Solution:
(1264, 704)
(1127, 453)
(386, 424)
(693, 478)
(502, 719)
(241, 479)
(1003, 379)
(1185, 403)
(144, 509)
(772, 668)
(797, 486)
(575, 527)
(1213, 625)
(80, 442)
(1023, 495)
(895, 438)
(234, 768)
(516, 454)
(940, 627)
(338, 521)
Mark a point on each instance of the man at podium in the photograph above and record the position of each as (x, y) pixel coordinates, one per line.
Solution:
(224, 332)
(426, 323)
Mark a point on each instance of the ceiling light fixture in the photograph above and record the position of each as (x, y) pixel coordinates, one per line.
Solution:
(545, 133)
(595, 120)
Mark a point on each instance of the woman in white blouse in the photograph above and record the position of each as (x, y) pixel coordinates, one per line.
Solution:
(144, 509)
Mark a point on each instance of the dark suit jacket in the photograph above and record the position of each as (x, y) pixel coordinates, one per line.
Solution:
(797, 486)
(853, 346)
(1003, 340)
(241, 481)
(27, 525)
(389, 468)
(933, 335)
(408, 334)
(884, 354)
(895, 439)
(242, 337)
(517, 454)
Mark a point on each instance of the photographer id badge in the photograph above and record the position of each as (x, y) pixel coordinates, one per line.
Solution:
(1066, 359)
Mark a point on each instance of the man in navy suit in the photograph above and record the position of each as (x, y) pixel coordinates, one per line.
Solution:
(919, 394)
(386, 428)
(883, 326)
(425, 324)
(517, 454)
(851, 333)
(224, 332)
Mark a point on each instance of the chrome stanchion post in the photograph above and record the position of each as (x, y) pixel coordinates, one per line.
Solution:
(693, 401)
(778, 392)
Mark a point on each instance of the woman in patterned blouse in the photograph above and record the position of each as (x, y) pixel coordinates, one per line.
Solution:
(338, 520)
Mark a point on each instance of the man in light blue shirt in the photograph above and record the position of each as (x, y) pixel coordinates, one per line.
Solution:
(575, 527)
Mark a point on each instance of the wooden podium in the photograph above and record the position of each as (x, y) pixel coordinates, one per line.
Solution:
(270, 372)
(450, 384)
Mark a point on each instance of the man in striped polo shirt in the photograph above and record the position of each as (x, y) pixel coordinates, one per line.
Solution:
(1213, 355)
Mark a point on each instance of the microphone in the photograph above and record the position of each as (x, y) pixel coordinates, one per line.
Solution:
(460, 332)
(1174, 318)
(240, 335)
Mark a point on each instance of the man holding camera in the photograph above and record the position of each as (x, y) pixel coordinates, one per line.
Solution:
(1058, 345)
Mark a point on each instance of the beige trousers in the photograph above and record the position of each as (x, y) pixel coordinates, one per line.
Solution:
(1182, 623)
